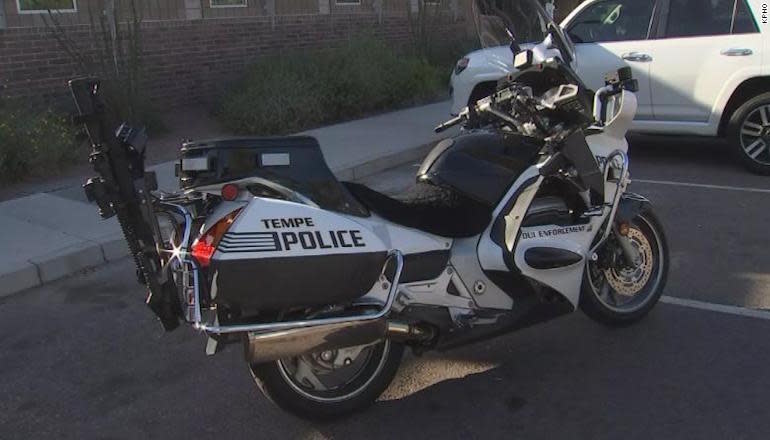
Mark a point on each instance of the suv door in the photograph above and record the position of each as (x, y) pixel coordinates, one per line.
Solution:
(609, 34)
(701, 45)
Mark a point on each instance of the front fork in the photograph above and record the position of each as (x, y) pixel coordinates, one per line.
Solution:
(630, 253)
(618, 161)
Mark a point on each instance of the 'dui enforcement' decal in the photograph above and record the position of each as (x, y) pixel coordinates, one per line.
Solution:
(550, 233)
(279, 240)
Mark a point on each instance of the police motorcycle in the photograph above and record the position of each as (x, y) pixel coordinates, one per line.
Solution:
(325, 283)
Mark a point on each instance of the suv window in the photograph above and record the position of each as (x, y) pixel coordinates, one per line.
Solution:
(743, 22)
(695, 18)
(612, 20)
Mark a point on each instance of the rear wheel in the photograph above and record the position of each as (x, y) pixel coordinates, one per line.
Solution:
(616, 292)
(749, 132)
(332, 383)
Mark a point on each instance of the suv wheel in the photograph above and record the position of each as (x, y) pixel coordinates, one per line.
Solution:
(749, 132)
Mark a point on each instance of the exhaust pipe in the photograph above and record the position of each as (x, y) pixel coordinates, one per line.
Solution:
(266, 347)
(270, 342)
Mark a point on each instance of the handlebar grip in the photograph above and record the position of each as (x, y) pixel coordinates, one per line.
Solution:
(448, 124)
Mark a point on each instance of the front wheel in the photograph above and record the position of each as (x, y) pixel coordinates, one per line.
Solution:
(616, 292)
(330, 384)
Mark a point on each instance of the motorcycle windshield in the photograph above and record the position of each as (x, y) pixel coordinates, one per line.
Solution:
(515, 22)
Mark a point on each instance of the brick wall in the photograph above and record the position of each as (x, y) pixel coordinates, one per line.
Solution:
(86, 9)
(179, 9)
(188, 60)
(190, 57)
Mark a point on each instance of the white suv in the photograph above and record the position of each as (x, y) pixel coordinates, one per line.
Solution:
(700, 66)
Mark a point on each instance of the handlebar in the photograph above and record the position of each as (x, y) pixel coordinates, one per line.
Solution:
(616, 83)
(599, 97)
(488, 106)
(449, 124)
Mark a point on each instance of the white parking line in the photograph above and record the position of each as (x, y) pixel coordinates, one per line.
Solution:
(719, 308)
(703, 185)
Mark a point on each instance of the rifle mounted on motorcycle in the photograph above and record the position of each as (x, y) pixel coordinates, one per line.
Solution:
(522, 217)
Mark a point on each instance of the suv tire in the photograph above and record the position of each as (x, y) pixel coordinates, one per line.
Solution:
(750, 124)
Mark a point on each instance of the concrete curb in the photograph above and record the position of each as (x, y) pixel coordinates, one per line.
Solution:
(61, 263)
(88, 254)
(21, 277)
(65, 261)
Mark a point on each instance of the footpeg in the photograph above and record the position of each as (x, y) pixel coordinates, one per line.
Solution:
(593, 211)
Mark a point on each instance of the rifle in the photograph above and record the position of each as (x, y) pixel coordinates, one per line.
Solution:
(124, 189)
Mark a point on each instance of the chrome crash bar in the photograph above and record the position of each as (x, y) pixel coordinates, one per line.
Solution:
(619, 190)
(275, 326)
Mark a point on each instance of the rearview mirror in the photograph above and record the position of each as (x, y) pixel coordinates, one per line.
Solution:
(523, 60)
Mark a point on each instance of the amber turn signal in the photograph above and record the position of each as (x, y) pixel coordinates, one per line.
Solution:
(206, 245)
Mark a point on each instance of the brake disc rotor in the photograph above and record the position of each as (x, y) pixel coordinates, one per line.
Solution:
(628, 281)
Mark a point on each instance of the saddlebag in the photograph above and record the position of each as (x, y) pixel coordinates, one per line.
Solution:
(279, 255)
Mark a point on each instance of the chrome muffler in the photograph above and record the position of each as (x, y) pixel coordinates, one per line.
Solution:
(266, 347)
(272, 341)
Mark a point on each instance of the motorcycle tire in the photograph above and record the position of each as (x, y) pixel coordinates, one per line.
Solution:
(378, 372)
(591, 302)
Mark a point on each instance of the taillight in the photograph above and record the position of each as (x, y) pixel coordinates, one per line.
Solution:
(204, 247)
(230, 192)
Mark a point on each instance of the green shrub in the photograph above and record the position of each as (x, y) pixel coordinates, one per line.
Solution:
(301, 90)
(132, 106)
(446, 53)
(35, 142)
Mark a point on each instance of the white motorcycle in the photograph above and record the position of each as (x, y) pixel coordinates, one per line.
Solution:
(326, 282)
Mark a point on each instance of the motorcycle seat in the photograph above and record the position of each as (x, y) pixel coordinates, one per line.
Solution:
(428, 208)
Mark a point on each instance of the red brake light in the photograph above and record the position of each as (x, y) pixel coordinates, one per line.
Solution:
(204, 246)
(230, 192)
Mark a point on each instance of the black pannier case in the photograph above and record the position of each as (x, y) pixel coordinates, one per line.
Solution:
(294, 162)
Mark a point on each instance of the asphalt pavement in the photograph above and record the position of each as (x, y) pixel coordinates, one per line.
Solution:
(84, 358)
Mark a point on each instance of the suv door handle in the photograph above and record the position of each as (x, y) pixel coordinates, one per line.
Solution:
(737, 52)
(636, 56)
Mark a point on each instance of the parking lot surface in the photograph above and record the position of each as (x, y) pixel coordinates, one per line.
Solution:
(83, 358)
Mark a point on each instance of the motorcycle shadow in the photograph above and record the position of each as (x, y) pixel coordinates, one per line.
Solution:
(573, 378)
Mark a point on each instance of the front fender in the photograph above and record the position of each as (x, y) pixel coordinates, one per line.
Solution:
(631, 205)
